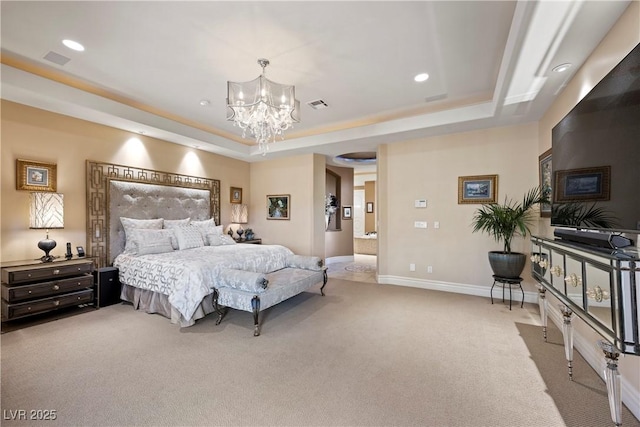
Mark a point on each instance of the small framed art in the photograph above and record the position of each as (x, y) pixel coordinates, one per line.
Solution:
(278, 206)
(477, 189)
(546, 181)
(346, 212)
(369, 207)
(36, 176)
(236, 195)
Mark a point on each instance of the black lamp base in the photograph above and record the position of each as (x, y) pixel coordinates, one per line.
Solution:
(47, 246)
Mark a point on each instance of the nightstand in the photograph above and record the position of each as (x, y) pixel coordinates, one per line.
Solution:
(251, 242)
(33, 287)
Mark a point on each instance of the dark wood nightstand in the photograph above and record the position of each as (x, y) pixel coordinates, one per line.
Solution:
(33, 287)
(251, 242)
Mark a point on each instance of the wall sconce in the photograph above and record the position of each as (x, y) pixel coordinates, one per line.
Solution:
(46, 212)
(239, 215)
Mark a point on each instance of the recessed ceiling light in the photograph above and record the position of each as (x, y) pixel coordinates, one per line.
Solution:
(562, 68)
(421, 77)
(205, 102)
(73, 45)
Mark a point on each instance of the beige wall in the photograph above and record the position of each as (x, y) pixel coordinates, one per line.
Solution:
(297, 176)
(614, 47)
(339, 243)
(370, 197)
(429, 169)
(33, 134)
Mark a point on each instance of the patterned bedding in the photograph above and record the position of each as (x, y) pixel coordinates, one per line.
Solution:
(187, 276)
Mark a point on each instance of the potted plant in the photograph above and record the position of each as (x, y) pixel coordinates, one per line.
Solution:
(502, 222)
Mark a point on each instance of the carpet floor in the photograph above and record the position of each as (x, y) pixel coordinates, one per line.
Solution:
(363, 355)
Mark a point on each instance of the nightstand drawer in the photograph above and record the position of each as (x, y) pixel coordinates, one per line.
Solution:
(14, 275)
(45, 289)
(14, 311)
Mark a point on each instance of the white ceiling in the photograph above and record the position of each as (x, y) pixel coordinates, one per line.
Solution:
(147, 65)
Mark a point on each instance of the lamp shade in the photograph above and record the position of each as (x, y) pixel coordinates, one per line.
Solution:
(239, 214)
(46, 211)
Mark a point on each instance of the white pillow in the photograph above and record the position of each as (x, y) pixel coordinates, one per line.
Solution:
(173, 223)
(207, 226)
(130, 224)
(189, 237)
(148, 241)
(215, 239)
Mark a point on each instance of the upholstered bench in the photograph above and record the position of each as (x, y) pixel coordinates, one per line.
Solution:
(254, 292)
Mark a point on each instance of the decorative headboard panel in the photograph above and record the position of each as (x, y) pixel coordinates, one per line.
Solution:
(149, 201)
(99, 178)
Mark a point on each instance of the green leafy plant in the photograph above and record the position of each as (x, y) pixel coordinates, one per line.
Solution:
(503, 221)
(583, 215)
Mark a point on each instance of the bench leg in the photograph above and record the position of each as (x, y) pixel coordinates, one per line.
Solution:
(325, 278)
(220, 312)
(255, 305)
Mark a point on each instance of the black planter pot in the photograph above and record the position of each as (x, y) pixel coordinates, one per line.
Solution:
(507, 265)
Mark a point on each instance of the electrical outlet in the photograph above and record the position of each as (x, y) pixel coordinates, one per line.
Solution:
(412, 267)
(436, 224)
(429, 269)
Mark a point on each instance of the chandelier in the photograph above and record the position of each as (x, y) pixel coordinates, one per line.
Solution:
(264, 108)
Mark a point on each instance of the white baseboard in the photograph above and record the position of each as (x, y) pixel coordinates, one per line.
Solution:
(458, 288)
(589, 350)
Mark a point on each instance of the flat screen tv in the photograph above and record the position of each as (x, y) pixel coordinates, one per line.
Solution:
(596, 156)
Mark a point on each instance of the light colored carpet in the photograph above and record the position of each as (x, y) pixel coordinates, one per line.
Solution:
(363, 355)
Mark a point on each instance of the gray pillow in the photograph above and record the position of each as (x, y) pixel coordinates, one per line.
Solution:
(148, 241)
(189, 237)
(130, 224)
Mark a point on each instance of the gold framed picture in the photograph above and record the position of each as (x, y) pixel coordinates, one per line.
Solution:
(236, 195)
(546, 181)
(477, 189)
(584, 184)
(36, 176)
(278, 206)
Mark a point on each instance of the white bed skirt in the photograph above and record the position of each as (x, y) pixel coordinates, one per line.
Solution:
(153, 302)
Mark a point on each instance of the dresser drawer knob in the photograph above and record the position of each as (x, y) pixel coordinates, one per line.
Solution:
(28, 308)
(56, 287)
(29, 291)
(56, 271)
(56, 302)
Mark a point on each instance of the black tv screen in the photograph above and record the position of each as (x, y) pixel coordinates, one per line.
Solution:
(596, 155)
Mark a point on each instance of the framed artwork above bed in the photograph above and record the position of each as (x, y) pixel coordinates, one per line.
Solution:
(99, 175)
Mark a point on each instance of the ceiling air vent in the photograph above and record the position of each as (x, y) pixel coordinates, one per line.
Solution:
(317, 104)
(56, 58)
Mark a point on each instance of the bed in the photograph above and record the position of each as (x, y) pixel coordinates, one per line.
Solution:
(174, 260)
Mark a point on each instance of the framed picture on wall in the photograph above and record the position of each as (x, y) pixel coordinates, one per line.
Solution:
(546, 181)
(369, 207)
(477, 189)
(346, 212)
(585, 184)
(236, 195)
(35, 176)
(278, 206)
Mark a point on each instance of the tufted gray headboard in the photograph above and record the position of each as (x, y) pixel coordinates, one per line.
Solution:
(101, 174)
(150, 201)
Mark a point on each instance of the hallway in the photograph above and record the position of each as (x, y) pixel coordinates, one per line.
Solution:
(362, 269)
